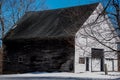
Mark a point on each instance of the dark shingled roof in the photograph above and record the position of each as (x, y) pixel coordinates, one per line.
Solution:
(51, 23)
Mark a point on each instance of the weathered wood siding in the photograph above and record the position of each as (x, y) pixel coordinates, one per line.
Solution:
(43, 56)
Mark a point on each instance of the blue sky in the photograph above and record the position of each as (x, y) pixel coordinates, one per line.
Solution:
(53, 4)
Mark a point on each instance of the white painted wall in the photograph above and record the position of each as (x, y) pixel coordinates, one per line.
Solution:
(110, 65)
(102, 30)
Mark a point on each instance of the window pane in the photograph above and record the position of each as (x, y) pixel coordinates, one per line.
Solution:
(82, 60)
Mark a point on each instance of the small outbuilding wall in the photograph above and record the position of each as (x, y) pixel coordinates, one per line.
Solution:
(93, 42)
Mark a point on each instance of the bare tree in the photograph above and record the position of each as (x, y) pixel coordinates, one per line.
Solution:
(1, 18)
(112, 9)
(12, 10)
(109, 15)
(100, 30)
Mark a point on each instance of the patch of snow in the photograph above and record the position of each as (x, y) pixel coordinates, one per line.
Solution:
(101, 75)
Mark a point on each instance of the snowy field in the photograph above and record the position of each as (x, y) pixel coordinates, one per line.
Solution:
(63, 76)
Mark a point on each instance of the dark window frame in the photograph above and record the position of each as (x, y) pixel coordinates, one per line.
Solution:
(20, 59)
(81, 60)
(97, 53)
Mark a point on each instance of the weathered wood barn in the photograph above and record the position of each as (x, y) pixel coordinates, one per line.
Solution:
(45, 40)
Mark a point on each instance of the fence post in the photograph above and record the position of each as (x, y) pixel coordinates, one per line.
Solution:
(105, 70)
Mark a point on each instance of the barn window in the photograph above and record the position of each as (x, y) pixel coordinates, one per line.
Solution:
(20, 58)
(82, 60)
(97, 53)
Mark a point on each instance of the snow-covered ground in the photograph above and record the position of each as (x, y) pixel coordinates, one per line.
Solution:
(94, 75)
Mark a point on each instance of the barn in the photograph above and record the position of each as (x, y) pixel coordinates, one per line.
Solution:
(45, 41)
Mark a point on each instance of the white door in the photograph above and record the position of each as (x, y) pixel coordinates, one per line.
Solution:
(109, 64)
(96, 64)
